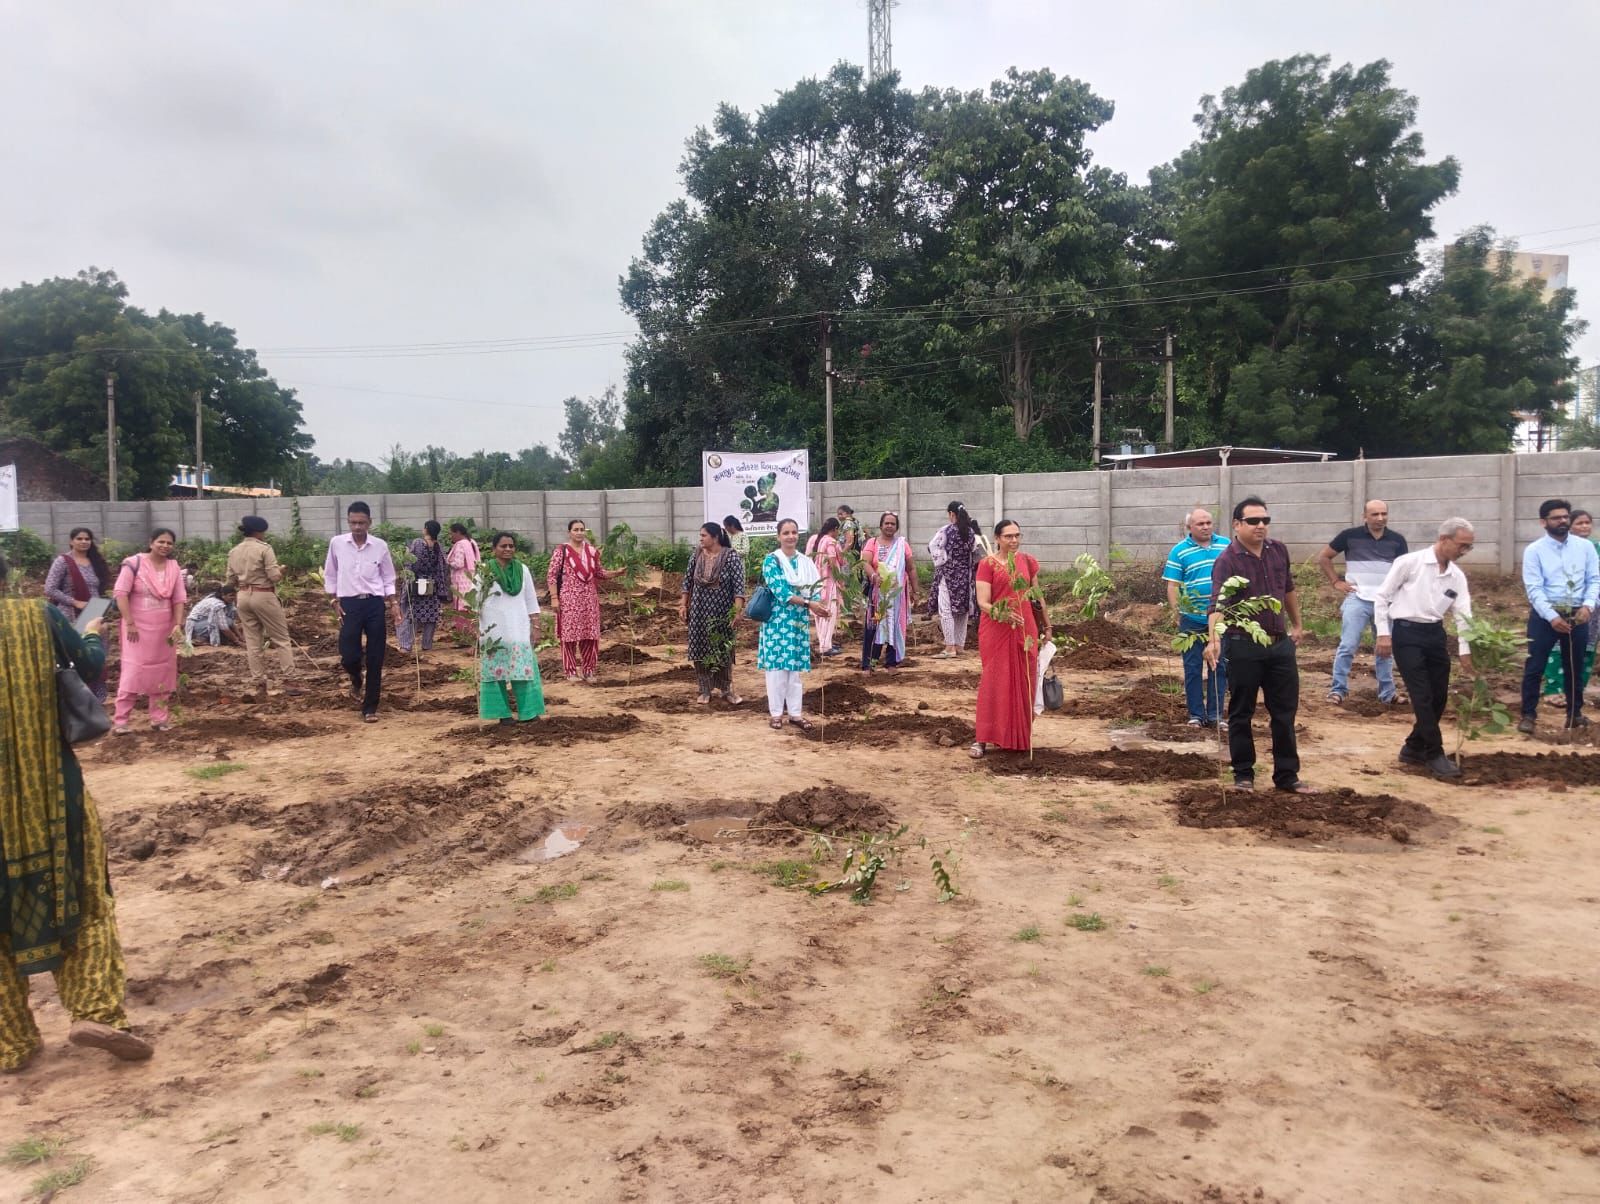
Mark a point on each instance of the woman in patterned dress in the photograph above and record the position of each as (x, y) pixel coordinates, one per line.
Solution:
(75, 577)
(574, 578)
(713, 593)
(950, 597)
(419, 612)
(891, 577)
(785, 647)
(508, 666)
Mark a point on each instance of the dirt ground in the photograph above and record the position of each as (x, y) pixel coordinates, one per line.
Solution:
(579, 960)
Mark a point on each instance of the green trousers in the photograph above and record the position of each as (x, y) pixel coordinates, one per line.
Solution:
(494, 699)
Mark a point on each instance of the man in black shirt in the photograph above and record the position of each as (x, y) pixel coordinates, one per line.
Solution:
(1270, 667)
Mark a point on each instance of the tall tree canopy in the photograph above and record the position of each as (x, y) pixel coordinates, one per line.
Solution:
(62, 337)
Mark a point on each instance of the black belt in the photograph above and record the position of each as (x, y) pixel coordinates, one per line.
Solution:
(1241, 635)
(1418, 623)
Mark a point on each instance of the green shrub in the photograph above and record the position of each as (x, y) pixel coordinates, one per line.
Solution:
(26, 552)
(668, 557)
(396, 535)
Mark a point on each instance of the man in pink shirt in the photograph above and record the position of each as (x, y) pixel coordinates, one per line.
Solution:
(359, 575)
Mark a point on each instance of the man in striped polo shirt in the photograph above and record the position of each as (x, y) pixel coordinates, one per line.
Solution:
(1188, 578)
(1369, 551)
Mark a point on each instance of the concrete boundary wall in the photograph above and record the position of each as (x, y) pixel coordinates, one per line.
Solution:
(1062, 514)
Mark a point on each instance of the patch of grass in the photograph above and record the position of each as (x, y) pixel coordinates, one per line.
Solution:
(342, 1132)
(434, 1030)
(720, 965)
(413, 1047)
(718, 866)
(668, 884)
(547, 966)
(323, 938)
(607, 1040)
(217, 769)
(796, 1058)
(1156, 971)
(1204, 986)
(32, 1150)
(557, 890)
(1029, 934)
(306, 905)
(1493, 830)
(1086, 922)
(1074, 900)
(309, 1072)
(69, 1176)
(1454, 917)
(366, 1092)
(1056, 816)
(785, 873)
(1167, 882)
(264, 1054)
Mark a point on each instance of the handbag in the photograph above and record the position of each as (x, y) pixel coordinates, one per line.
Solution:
(82, 716)
(759, 608)
(1054, 695)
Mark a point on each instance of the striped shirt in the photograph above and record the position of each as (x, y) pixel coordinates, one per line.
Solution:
(1189, 564)
(1367, 560)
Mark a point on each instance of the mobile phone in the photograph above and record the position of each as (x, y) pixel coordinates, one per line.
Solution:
(96, 609)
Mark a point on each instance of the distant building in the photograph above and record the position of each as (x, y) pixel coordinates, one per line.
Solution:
(183, 485)
(1538, 432)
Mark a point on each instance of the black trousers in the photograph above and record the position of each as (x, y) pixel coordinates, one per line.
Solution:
(363, 618)
(1272, 671)
(1544, 639)
(1424, 665)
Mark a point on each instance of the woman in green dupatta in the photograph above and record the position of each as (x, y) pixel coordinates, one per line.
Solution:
(508, 665)
(56, 912)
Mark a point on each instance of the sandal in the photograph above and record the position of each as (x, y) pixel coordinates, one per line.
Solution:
(801, 722)
(976, 751)
(732, 700)
(703, 699)
(775, 724)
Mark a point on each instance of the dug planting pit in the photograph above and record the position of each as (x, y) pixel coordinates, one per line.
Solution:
(1108, 765)
(558, 729)
(889, 731)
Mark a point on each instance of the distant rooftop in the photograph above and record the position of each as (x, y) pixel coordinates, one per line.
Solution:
(1207, 457)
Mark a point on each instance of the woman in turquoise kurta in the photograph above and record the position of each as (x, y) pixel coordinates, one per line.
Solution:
(785, 648)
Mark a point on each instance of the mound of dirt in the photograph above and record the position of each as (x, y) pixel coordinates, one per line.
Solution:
(1139, 702)
(685, 703)
(888, 731)
(955, 679)
(1103, 633)
(142, 833)
(1326, 813)
(844, 697)
(464, 705)
(1093, 658)
(826, 809)
(1367, 708)
(1180, 733)
(1530, 769)
(548, 729)
(648, 816)
(1109, 765)
(683, 673)
(620, 654)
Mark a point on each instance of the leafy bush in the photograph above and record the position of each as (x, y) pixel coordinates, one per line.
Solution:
(26, 552)
(668, 557)
(396, 534)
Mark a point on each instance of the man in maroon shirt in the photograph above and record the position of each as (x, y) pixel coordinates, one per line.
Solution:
(1269, 668)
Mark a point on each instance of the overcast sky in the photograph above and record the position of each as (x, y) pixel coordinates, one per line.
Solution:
(338, 175)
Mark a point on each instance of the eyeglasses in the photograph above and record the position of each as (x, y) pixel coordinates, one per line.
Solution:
(1465, 547)
(1557, 518)
(1259, 520)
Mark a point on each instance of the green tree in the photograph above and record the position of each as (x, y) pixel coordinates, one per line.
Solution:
(1289, 223)
(1483, 347)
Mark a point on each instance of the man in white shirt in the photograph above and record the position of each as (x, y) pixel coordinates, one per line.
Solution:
(359, 576)
(1409, 610)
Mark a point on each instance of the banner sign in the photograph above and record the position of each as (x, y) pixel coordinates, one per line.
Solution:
(9, 520)
(758, 488)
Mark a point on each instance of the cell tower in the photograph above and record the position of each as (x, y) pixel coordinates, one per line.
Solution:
(880, 54)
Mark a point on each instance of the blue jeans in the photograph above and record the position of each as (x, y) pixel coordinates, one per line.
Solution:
(1544, 639)
(1204, 698)
(1357, 617)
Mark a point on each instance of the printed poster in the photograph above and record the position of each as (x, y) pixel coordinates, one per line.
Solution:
(759, 488)
(9, 520)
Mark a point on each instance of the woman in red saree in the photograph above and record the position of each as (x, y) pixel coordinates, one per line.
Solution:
(1008, 643)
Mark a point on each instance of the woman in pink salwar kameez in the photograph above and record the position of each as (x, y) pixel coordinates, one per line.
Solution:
(152, 600)
(828, 556)
(463, 560)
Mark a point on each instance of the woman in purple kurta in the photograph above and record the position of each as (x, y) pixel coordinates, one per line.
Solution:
(75, 577)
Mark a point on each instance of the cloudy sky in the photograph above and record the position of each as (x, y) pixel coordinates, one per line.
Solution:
(335, 176)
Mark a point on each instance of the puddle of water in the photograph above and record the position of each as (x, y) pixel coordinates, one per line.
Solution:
(558, 843)
(1129, 737)
(715, 828)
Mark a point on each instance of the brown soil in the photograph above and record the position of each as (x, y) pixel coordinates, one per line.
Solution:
(831, 809)
(1103, 633)
(576, 953)
(845, 697)
(1138, 702)
(1093, 658)
(1304, 815)
(1106, 765)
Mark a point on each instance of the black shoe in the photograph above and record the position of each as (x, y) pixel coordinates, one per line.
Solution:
(507, 722)
(1409, 756)
(1577, 721)
(1443, 767)
(1525, 725)
(1244, 783)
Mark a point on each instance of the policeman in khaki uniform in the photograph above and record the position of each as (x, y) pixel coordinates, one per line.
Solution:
(253, 567)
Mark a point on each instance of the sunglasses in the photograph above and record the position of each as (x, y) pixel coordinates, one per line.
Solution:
(1259, 520)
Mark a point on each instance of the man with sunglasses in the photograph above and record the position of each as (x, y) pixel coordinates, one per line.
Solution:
(1269, 668)
(1420, 589)
(1562, 577)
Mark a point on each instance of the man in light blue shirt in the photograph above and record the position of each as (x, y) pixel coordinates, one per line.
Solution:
(1562, 577)
(1188, 578)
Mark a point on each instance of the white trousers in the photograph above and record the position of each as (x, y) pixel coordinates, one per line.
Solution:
(785, 687)
(955, 626)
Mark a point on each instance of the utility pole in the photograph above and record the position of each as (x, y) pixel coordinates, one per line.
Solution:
(1094, 439)
(111, 435)
(199, 450)
(827, 377)
(879, 52)
(1171, 394)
